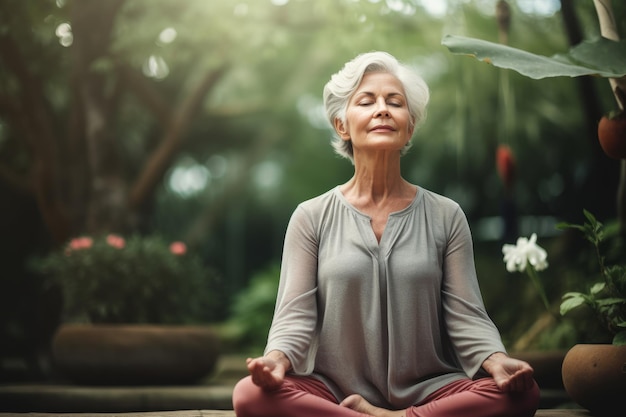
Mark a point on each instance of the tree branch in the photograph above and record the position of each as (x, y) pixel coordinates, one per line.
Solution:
(31, 94)
(145, 92)
(173, 138)
(34, 119)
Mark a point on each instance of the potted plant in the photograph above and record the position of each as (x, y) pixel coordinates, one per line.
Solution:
(606, 297)
(136, 310)
(594, 375)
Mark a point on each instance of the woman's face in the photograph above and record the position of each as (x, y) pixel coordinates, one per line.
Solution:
(377, 116)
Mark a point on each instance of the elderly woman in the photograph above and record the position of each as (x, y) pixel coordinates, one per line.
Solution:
(379, 312)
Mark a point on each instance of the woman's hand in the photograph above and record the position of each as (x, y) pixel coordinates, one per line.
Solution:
(268, 372)
(509, 374)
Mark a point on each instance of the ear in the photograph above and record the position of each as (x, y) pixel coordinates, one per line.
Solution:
(341, 129)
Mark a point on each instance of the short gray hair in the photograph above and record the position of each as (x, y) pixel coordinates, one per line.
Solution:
(343, 84)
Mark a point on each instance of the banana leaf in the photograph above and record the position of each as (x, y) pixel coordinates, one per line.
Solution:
(599, 57)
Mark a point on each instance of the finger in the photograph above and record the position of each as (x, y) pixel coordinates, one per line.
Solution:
(523, 382)
(530, 382)
(261, 380)
(252, 366)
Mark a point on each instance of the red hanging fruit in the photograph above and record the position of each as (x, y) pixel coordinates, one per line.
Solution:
(612, 135)
(505, 164)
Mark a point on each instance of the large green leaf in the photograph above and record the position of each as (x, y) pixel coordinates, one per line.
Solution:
(601, 57)
(620, 338)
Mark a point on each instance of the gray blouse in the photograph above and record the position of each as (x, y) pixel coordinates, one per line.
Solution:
(392, 320)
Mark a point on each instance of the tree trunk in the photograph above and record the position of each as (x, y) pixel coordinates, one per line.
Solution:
(608, 29)
(603, 172)
(92, 23)
(32, 118)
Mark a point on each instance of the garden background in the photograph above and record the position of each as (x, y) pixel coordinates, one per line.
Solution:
(201, 121)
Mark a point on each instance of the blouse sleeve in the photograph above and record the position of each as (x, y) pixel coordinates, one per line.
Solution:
(293, 329)
(472, 333)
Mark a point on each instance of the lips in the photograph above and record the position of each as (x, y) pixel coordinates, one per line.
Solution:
(382, 128)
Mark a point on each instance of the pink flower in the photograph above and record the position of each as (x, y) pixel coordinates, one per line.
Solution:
(178, 248)
(116, 241)
(79, 243)
(82, 242)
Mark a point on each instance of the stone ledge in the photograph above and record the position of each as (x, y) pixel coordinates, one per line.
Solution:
(73, 399)
(94, 399)
(124, 400)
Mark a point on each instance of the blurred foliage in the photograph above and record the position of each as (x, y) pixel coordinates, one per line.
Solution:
(606, 297)
(142, 279)
(252, 311)
(515, 306)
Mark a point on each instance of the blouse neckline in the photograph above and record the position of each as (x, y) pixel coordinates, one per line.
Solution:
(401, 212)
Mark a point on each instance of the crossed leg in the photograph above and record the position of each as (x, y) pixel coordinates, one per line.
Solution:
(297, 397)
(308, 397)
(466, 397)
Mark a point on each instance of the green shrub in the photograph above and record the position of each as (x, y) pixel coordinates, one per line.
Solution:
(143, 279)
(253, 309)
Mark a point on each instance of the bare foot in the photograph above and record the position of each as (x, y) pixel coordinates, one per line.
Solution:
(357, 403)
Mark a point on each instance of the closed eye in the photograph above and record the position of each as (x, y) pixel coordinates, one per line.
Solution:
(390, 103)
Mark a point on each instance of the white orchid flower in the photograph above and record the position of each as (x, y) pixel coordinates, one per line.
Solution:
(525, 252)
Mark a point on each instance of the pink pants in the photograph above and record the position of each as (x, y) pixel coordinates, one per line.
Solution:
(308, 397)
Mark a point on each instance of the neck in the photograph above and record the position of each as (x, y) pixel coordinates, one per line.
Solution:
(377, 179)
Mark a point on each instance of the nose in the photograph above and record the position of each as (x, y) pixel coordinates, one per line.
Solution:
(381, 109)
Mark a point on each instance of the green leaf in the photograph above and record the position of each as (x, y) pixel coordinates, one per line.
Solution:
(610, 301)
(571, 301)
(573, 295)
(590, 217)
(597, 288)
(565, 225)
(601, 57)
(620, 338)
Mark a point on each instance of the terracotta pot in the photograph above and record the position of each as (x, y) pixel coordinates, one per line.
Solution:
(135, 354)
(594, 375)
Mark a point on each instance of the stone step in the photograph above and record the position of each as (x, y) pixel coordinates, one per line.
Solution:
(213, 394)
(73, 399)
